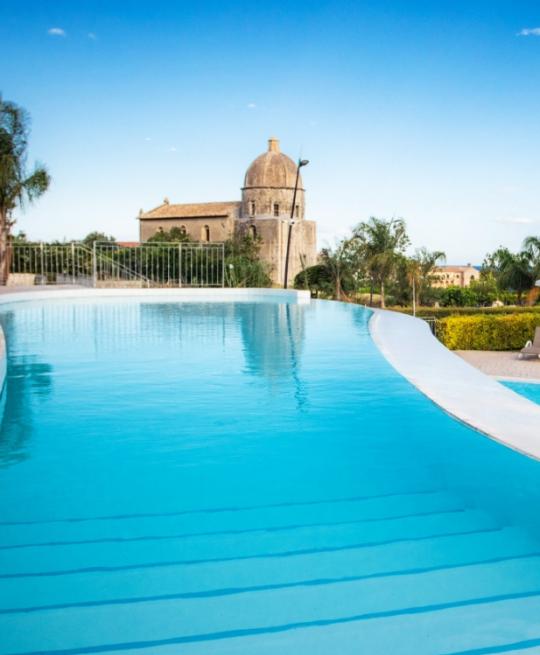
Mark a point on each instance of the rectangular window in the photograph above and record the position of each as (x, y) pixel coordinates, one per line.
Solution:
(297, 211)
(252, 208)
(276, 209)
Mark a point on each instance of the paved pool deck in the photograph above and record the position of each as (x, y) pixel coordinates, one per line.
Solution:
(503, 365)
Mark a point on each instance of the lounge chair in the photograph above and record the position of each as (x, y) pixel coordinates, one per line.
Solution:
(532, 348)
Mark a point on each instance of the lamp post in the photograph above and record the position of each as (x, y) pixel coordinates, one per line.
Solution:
(301, 162)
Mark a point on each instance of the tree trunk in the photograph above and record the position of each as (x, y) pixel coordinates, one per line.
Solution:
(383, 303)
(4, 249)
(338, 287)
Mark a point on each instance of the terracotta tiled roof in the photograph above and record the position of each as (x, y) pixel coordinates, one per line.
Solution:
(194, 210)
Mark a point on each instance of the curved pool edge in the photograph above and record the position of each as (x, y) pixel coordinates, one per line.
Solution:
(458, 388)
(197, 294)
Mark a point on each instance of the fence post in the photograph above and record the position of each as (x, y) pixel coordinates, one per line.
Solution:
(222, 265)
(42, 261)
(94, 265)
(180, 264)
(73, 267)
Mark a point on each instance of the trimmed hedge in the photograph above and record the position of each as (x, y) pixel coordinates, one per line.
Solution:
(485, 332)
(442, 312)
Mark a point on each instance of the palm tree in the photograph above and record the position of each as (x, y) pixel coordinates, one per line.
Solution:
(422, 267)
(17, 185)
(382, 243)
(531, 245)
(338, 266)
(512, 271)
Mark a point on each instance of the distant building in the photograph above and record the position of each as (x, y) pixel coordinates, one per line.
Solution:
(263, 211)
(455, 276)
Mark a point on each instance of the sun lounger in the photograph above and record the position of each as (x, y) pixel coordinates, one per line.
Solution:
(532, 348)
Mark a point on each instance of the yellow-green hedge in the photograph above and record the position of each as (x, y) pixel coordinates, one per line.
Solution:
(483, 332)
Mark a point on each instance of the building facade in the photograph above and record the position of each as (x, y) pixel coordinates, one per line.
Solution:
(455, 276)
(264, 211)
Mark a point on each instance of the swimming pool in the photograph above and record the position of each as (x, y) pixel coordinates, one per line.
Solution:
(248, 478)
(527, 389)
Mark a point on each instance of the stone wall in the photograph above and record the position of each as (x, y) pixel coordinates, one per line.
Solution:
(220, 228)
(265, 198)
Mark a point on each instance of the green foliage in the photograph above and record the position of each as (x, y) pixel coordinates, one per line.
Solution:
(381, 245)
(484, 332)
(318, 279)
(89, 239)
(458, 297)
(17, 184)
(442, 312)
(243, 267)
(514, 271)
(174, 235)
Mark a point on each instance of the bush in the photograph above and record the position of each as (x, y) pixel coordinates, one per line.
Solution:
(485, 332)
(443, 312)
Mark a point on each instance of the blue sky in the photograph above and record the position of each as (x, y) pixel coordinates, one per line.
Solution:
(425, 110)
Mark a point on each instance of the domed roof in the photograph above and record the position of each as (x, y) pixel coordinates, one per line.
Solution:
(272, 169)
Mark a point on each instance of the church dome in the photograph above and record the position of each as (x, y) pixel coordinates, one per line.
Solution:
(272, 169)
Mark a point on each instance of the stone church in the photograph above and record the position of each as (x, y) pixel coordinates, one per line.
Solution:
(264, 211)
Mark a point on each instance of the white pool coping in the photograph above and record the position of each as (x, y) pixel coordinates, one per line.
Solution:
(179, 294)
(11, 295)
(457, 387)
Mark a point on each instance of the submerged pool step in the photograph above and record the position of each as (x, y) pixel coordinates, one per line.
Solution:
(142, 526)
(489, 628)
(237, 576)
(379, 601)
(198, 549)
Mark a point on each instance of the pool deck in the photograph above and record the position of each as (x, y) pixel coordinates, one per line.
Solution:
(503, 365)
(455, 385)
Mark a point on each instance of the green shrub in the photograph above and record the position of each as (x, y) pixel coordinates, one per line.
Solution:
(443, 312)
(488, 332)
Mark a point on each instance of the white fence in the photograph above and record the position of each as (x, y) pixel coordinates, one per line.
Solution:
(111, 264)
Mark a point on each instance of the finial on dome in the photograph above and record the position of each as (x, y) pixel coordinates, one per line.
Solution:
(165, 201)
(273, 144)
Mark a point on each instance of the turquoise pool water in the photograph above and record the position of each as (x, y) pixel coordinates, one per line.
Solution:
(530, 391)
(248, 478)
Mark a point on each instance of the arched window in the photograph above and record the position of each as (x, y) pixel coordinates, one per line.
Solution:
(252, 231)
(252, 208)
(183, 229)
(205, 233)
(276, 209)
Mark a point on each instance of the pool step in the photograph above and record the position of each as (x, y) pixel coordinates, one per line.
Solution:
(220, 578)
(222, 519)
(290, 541)
(287, 581)
(271, 611)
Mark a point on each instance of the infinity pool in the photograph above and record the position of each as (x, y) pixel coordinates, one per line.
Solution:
(248, 478)
(527, 389)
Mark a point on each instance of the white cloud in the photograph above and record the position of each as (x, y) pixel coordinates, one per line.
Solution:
(251, 105)
(516, 221)
(92, 35)
(530, 31)
(56, 31)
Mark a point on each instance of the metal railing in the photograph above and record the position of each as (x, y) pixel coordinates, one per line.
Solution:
(46, 263)
(432, 322)
(109, 264)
